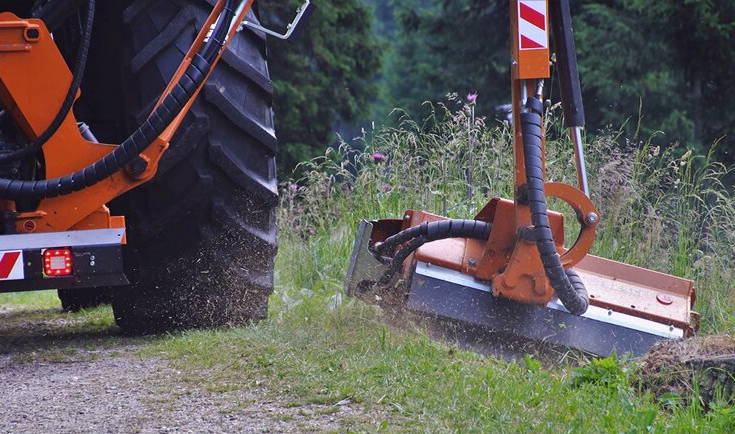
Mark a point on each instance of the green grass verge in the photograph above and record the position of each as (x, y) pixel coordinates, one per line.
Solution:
(414, 384)
(33, 299)
(319, 353)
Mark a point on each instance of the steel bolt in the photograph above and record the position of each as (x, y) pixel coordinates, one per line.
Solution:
(138, 166)
(472, 262)
(528, 234)
(592, 218)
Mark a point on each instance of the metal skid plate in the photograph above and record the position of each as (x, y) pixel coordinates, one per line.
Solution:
(496, 322)
(363, 266)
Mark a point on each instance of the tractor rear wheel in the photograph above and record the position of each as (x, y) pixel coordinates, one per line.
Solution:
(202, 233)
(74, 300)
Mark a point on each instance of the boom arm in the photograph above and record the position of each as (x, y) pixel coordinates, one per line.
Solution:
(82, 176)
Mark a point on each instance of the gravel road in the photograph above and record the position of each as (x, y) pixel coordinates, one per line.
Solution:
(52, 381)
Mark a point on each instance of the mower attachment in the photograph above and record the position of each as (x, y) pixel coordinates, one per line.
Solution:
(626, 314)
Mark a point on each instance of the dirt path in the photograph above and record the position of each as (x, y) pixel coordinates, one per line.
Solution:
(53, 380)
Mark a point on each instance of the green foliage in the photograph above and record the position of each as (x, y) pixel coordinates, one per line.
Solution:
(448, 46)
(607, 372)
(653, 66)
(668, 63)
(325, 77)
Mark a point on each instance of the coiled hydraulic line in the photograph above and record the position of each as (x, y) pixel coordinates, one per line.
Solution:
(568, 285)
(426, 232)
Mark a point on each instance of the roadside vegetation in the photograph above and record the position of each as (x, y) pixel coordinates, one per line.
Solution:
(659, 211)
(667, 213)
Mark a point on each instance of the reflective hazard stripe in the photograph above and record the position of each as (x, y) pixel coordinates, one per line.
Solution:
(532, 29)
(11, 265)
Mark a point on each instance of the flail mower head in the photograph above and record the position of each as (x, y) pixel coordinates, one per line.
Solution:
(505, 278)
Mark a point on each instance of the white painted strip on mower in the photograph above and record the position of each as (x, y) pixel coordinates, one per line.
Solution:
(92, 237)
(594, 313)
(448, 275)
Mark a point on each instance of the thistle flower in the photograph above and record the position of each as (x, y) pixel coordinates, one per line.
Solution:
(379, 158)
(472, 98)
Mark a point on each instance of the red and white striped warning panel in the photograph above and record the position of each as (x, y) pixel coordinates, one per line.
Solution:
(532, 25)
(11, 265)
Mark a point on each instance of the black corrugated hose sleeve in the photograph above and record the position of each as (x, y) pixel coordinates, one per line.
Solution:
(151, 128)
(80, 65)
(428, 232)
(567, 284)
(156, 123)
(436, 231)
(220, 32)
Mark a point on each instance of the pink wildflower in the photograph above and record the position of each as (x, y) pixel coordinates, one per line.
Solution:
(379, 158)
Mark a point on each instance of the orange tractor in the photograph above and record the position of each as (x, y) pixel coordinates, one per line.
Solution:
(183, 207)
(505, 280)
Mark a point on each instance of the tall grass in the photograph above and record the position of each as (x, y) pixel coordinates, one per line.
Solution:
(661, 212)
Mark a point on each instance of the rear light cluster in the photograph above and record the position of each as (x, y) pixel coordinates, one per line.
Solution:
(57, 262)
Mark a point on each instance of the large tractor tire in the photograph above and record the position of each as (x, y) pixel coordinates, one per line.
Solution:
(74, 300)
(202, 234)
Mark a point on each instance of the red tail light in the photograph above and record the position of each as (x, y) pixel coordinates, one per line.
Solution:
(57, 262)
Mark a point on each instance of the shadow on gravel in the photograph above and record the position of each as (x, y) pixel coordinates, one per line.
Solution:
(52, 335)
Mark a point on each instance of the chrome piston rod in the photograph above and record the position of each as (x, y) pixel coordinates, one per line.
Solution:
(579, 158)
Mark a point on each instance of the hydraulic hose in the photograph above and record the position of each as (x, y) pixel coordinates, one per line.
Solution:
(425, 233)
(79, 66)
(222, 28)
(140, 139)
(568, 286)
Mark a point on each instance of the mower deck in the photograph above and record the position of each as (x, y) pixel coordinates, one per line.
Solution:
(626, 316)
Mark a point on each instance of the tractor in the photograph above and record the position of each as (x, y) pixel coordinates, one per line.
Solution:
(137, 158)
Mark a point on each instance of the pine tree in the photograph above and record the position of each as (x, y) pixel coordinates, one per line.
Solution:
(325, 77)
(651, 65)
(450, 46)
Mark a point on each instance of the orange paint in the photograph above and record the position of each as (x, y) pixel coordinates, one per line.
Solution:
(34, 80)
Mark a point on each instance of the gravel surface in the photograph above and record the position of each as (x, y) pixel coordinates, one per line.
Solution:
(82, 386)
